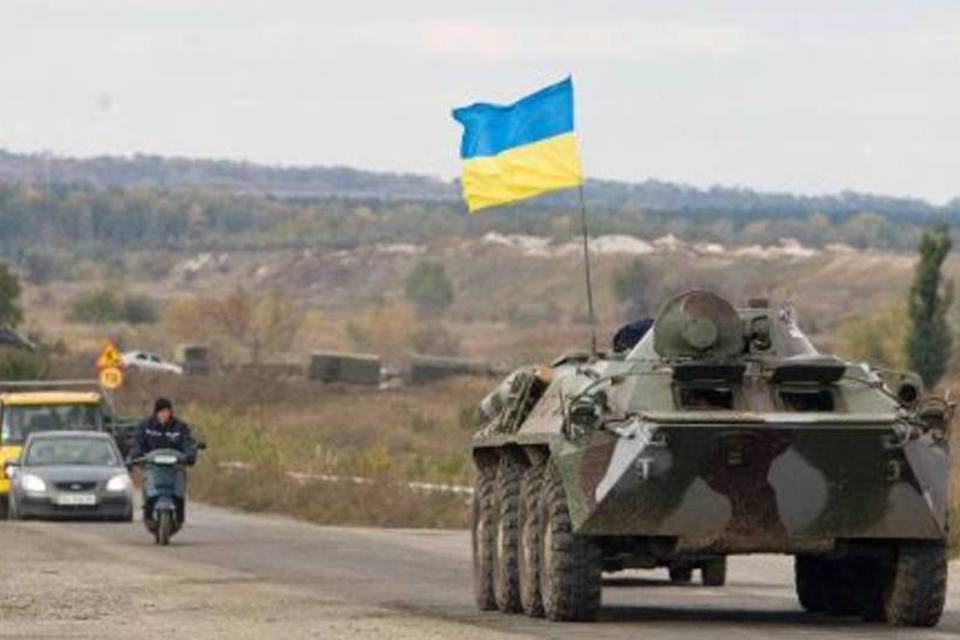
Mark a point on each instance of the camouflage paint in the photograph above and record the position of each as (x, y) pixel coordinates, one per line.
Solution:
(755, 476)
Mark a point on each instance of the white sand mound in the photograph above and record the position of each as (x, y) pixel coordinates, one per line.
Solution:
(621, 244)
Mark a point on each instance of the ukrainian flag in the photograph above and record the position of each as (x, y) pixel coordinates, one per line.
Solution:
(517, 151)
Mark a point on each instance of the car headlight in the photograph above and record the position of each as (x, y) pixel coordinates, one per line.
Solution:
(119, 483)
(32, 483)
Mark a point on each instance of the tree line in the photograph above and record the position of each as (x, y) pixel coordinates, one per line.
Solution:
(92, 220)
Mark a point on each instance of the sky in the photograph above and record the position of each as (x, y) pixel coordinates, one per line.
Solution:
(811, 97)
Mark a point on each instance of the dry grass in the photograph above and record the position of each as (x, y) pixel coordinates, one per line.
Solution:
(392, 436)
(265, 488)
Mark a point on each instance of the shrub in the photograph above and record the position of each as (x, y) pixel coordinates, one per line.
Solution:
(10, 311)
(19, 364)
(101, 305)
(139, 309)
(633, 287)
(104, 305)
(433, 337)
(877, 338)
(429, 288)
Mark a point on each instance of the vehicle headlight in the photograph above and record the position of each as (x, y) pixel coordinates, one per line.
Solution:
(119, 483)
(32, 483)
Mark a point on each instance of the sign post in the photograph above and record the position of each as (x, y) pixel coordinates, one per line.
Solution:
(110, 370)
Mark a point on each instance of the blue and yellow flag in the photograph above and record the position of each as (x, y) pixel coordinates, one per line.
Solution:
(517, 151)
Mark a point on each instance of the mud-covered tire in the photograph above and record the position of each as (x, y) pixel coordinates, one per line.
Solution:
(809, 577)
(506, 574)
(483, 531)
(917, 585)
(713, 573)
(680, 573)
(530, 525)
(570, 570)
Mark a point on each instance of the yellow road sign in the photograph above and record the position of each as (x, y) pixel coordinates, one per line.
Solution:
(109, 357)
(111, 378)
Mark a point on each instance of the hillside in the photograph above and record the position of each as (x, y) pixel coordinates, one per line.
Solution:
(343, 182)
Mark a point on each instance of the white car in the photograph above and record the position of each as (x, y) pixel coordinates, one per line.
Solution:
(143, 361)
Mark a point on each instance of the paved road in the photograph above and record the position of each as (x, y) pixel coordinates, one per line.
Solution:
(389, 583)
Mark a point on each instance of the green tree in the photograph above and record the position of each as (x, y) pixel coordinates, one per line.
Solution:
(10, 311)
(428, 287)
(930, 338)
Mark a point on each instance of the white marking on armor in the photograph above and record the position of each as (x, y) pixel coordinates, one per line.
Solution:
(634, 438)
(643, 465)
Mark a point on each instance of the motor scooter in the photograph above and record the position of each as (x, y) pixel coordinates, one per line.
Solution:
(164, 491)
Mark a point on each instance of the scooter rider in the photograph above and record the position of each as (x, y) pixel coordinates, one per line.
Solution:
(163, 430)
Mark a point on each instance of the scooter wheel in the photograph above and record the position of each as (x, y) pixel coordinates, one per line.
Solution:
(164, 528)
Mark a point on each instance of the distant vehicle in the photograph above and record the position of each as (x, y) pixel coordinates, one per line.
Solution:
(23, 413)
(143, 361)
(70, 474)
(196, 359)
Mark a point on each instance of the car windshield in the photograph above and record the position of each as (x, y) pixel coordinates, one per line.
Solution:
(71, 451)
(19, 421)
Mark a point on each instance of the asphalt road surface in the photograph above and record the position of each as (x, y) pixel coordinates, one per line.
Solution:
(229, 574)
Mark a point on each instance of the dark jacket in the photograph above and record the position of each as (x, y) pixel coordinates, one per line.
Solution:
(152, 435)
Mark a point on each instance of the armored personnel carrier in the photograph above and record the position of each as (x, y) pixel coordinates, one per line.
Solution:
(720, 432)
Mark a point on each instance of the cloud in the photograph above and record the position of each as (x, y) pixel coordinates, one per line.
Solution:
(494, 42)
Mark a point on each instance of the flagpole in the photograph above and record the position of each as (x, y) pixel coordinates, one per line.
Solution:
(586, 265)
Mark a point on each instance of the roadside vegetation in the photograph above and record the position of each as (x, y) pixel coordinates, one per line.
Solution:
(262, 431)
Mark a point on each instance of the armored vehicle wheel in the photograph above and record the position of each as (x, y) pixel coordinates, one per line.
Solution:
(506, 578)
(484, 531)
(713, 573)
(809, 576)
(917, 585)
(570, 573)
(680, 573)
(530, 525)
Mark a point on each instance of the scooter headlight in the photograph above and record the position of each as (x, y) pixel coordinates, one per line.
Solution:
(33, 484)
(118, 483)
